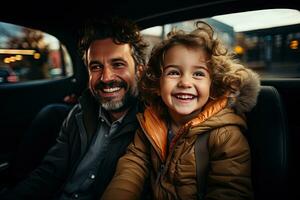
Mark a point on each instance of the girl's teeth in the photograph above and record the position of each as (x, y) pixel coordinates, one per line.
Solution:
(184, 96)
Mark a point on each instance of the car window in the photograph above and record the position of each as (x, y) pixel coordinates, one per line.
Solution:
(27, 54)
(265, 40)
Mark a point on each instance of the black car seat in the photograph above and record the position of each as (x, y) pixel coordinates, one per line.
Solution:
(40, 136)
(268, 140)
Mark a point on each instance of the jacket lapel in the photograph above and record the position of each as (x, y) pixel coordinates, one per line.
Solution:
(90, 110)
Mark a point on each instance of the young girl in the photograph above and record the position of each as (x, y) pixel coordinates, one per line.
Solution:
(192, 86)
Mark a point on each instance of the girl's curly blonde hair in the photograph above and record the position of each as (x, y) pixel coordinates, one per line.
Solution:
(222, 66)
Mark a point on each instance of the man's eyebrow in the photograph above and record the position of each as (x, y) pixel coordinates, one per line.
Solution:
(94, 62)
(118, 59)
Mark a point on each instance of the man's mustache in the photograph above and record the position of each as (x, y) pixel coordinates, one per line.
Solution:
(110, 84)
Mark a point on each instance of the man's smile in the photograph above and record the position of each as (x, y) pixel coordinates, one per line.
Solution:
(110, 90)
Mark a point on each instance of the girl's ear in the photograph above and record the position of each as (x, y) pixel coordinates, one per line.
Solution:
(158, 92)
(140, 69)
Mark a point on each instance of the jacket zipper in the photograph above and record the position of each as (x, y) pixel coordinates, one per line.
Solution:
(160, 173)
(163, 167)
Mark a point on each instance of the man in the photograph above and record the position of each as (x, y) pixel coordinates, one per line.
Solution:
(98, 130)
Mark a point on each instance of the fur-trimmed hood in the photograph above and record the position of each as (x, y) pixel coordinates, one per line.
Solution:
(244, 99)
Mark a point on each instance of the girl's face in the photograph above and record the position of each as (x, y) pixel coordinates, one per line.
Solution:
(185, 81)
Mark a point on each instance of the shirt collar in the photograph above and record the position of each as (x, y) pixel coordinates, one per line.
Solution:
(103, 114)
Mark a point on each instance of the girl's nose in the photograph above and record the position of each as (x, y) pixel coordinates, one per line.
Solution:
(185, 81)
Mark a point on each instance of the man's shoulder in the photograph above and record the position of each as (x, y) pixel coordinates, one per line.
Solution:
(72, 113)
(86, 97)
(137, 107)
(76, 109)
(142, 106)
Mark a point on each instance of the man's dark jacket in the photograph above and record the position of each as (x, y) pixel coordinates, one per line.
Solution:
(48, 180)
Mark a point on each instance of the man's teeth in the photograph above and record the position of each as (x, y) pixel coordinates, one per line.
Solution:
(108, 90)
(184, 96)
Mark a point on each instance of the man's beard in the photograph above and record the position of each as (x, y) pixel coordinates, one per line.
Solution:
(117, 105)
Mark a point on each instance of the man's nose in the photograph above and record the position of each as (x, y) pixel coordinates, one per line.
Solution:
(107, 74)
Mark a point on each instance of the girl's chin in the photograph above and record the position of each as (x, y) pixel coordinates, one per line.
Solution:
(187, 115)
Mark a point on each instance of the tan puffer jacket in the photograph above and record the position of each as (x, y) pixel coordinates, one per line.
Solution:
(173, 174)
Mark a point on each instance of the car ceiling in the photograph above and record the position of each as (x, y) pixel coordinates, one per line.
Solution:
(62, 18)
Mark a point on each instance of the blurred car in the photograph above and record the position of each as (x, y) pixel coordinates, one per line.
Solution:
(271, 50)
(8, 76)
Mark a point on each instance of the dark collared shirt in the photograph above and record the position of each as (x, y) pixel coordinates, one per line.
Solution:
(85, 174)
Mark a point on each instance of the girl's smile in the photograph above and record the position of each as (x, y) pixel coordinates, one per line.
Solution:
(185, 82)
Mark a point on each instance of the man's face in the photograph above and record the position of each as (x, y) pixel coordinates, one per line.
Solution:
(112, 77)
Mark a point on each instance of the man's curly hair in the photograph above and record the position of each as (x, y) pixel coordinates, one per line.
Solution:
(121, 30)
(222, 66)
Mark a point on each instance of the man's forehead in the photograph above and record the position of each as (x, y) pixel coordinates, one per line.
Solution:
(108, 43)
(109, 49)
(108, 46)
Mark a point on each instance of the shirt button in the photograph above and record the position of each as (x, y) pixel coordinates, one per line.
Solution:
(76, 196)
(106, 135)
(93, 176)
(102, 120)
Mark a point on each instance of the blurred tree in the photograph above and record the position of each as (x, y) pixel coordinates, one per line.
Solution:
(35, 66)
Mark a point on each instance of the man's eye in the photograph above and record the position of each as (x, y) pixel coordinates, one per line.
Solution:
(118, 64)
(95, 68)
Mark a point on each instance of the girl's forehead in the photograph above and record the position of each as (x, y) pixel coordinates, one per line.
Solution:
(184, 55)
(198, 48)
(179, 51)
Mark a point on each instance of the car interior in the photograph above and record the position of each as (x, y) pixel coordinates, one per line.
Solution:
(41, 77)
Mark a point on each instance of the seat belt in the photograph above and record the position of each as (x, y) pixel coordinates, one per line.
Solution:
(202, 160)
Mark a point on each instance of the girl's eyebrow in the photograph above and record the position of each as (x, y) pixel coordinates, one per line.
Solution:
(201, 66)
(204, 66)
(171, 65)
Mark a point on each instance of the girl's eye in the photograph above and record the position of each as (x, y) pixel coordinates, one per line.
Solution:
(172, 73)
(199, 74)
